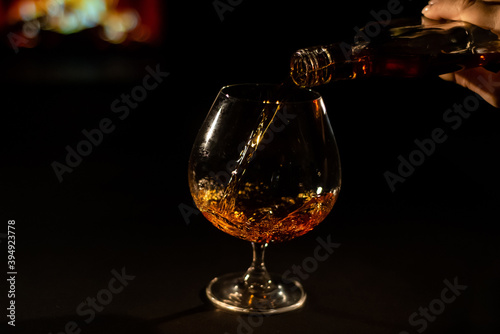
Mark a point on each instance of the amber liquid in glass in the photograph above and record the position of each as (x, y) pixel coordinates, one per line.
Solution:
(248, 210)
(252, 216)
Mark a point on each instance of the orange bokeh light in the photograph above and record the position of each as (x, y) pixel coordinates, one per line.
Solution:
(117, 21)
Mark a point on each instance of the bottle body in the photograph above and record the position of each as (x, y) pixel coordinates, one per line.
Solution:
(407, 52)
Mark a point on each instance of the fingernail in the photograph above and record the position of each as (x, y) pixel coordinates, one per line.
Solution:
(426, 8)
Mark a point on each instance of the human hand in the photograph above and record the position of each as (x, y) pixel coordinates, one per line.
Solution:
(485, 14)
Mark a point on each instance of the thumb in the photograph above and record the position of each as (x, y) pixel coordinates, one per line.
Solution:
(485, 14)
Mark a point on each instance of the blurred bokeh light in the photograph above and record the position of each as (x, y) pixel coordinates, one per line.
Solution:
(115, 21)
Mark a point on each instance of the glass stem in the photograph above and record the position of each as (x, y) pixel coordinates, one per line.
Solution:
(257, 278)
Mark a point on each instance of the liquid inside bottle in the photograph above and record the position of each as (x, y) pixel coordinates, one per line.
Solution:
(398, 51)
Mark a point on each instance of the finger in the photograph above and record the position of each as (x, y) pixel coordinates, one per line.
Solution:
(427, 22)
(485, 14)
(448, 77)
(479, 80)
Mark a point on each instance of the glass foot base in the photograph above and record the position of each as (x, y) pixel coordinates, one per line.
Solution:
(236, 292)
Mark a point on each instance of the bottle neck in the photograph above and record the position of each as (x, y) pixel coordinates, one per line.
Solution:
(320, 65)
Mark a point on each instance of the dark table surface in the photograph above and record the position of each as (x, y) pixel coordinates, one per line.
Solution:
(118, 247)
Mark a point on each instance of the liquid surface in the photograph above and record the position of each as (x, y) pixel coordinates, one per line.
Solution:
(251, 214)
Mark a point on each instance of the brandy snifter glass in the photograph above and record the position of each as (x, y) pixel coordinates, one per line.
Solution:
(264, 168)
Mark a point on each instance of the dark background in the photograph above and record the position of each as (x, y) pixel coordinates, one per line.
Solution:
(120, 208)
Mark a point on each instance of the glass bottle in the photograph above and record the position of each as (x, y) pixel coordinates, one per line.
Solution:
(398, 51)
